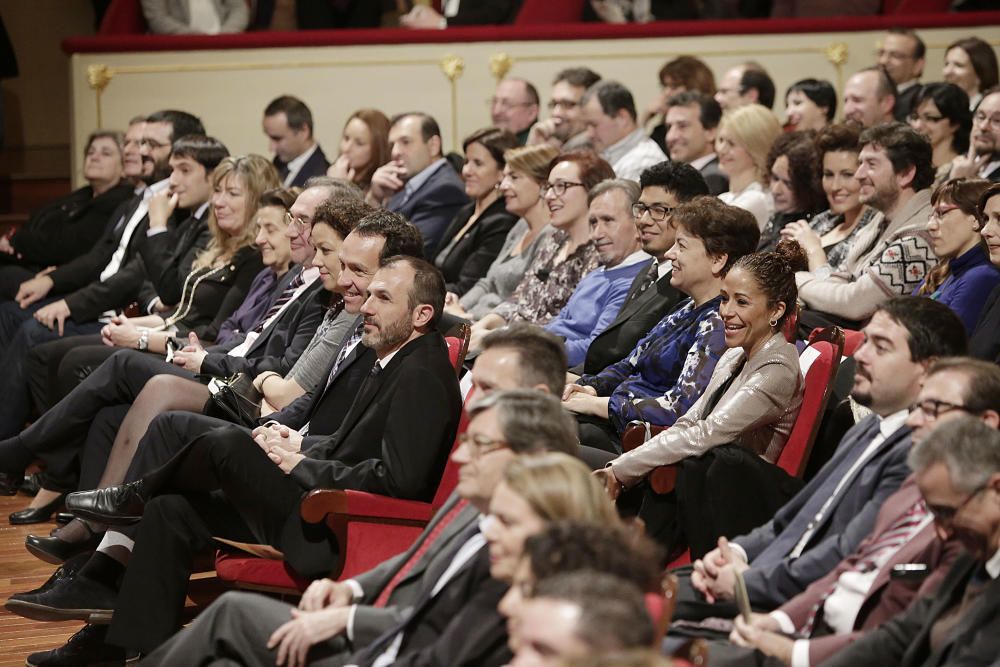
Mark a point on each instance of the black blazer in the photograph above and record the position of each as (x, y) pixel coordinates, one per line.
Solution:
(716, 180)
(397, 433)
(636, 318)
(432, 206)
(476, 12)
(904, 102)
(316, 165)
(905, 640)
(984, 343)
(464, 261)
(168, 256)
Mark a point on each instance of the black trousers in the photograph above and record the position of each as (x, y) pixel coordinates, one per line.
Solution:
(42, 368)
(223, 484)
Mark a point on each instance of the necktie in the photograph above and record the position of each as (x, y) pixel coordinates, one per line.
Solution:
(351, 343)
(285, 297)
(652, 275)
(432, 537)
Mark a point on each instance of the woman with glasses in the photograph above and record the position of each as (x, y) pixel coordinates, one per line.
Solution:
(984, 343)
(744, 140)
(970, 64)
(524, 172)
(564, 257)
(963, 275)
(941, 113)
(474, 238)
(364, 147)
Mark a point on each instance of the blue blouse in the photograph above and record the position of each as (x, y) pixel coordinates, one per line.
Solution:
(972, 277)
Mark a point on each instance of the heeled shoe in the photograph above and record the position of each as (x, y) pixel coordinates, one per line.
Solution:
(37, 514)
(55, 550)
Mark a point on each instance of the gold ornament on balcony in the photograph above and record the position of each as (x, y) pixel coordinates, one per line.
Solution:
(836, 53)
(500, 65)
(453, 67)
(99, 76)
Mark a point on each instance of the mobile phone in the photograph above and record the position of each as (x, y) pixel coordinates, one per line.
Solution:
(909, 571)
(742, 598)
(171, 349)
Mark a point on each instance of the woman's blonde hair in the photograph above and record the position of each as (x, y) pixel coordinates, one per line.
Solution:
(257, 175)
(560, 487)
(531, 160)
(755, 128)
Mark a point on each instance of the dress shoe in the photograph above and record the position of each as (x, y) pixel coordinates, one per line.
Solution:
(86, 647)
(70, 598)
(67, 570)
(55, 550)
(62, 518)
(36, 514)
(113, 506)
(32, 483)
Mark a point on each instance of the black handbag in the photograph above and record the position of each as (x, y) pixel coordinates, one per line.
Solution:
(234, 399)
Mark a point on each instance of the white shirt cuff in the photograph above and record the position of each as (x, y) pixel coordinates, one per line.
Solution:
(154, 232)
(350, 621)
(151, 306)
(740, 551)
(784, 621)
(359, 593)
(800, 653)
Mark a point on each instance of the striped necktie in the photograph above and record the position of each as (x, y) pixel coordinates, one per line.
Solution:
(285, 297)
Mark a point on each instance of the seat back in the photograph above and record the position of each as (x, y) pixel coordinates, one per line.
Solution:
(829, 344)
(449, 479)
(123, 17)
(546, 11)
(852, 341)
(458, 344)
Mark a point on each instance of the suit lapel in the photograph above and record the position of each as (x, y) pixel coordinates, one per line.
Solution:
(948, 595)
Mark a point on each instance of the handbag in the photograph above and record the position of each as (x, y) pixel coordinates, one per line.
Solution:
(234, 399)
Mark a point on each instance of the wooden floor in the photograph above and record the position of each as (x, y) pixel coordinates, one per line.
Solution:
(19, 572)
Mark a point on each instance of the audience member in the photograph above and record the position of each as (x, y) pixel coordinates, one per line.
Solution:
(743, 142)
(564, 257)
(69, 226)
(520, 356)
(796, 187)
(902, 53)
(288, 124)
(523, 176)
(830, 516)
(599, 296)
(746, 83)
(651, 296)
(474, 238)
(983, 159)
(319, 14)
(691, 120)
(941, 113)
(963, 274)
(891, 257)
(418, 182)
(610, 117)
(514, 107)
(731, 436)
(970, 64)
(364, 147)
(810, 104)
(194, 17)
(984, 342)
(456, 12)
(870, 97)
(564, 128)
(663, 376)
(829, 236)
(683, 74)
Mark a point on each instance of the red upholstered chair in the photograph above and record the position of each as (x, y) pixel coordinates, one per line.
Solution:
(546, 11)
(852, 341)
(123, 17)
(458, 344)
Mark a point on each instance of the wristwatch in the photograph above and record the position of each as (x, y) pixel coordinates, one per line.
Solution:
(143, 344)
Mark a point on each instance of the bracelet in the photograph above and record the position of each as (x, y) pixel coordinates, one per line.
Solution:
(143, 343)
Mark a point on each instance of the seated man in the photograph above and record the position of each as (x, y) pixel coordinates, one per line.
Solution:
(610, 118)
(692, 121)
(514, 107)
(597, 299)
(288, 124)
(564, 128)
(830, 516)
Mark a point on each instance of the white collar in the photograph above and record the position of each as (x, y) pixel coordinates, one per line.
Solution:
(295, 165)
(892, 423)
(700, 162)
(634, 258)
(993, 565)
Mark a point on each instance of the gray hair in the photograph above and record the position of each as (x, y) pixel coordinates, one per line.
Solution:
(337, 188)
(630, 188)
(967, 446)
(532, 422)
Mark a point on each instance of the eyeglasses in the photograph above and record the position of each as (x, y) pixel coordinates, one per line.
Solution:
(933, 408)
(480, 445)
(297, 224)
(506, 105)
(939, 213)
(657, 212)
(945, 515)
(980, 118)
(894, 55)
(563, 104)
(559, 187)
(927, 118)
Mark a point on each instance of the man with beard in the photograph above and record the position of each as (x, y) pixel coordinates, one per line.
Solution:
(983, 160)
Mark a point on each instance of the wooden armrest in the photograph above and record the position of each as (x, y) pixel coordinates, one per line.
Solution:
(662, 479)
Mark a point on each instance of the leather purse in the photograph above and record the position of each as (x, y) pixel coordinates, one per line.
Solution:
(234, 399)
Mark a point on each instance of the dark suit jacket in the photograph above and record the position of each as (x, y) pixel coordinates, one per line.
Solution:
(904, 102)
(717, 181)
(636, 318)
(397, 433)
(476, 12)
(984, 343)
(773, 577)
(905, 640)
(464, 261)
(316, 165)
(433, 206)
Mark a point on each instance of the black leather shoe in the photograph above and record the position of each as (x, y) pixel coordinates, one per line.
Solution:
(62, 518)
(71, 598)
(67, 570)
(56, 550)
(36, 514)
(86, 647)
(11, 482)
(113, 506)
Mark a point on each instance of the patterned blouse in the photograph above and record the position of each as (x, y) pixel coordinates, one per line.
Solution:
(668, 369)
(548, 283)
(827, 220)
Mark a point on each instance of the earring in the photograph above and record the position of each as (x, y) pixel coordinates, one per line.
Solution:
(773, 323)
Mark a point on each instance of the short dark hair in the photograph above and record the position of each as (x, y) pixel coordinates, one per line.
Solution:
(542, 355)
(805, 169)
(723, 229)
(982, 57)
(841, 137)
(709, 111)
(905, 147)
(953, 104)
(679, 178)
(989, 194)
(690, 73)
(401, 237)
(297, 114)
(206, 151)
(819, 92)
(759, 80)
(580, 77)
(342, 215)
(612, 96)
(983, 390)
(181, 123)
(531, 421)
(279, 197)
(494, 140)
(428, 126)
(427, 288)
(885, 86)
(919, 48)
(593, 168)
(774, 272)
(932, 328)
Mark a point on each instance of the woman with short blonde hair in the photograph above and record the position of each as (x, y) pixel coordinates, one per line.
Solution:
(743, 143)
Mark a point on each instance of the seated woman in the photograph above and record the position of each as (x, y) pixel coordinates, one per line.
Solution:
(67, 227)
(565, 256)
(731, 437)
(474, 238)
(669, 368)
(744, 139)
(523, 175)
(827, 237)
(970, 64)
(794, 168)
(963, 276)
(364, 147)
(941, 113)
(810, 104)
(984, 343)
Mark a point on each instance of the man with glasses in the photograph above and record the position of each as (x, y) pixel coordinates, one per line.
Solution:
(901, 53)
(907, 554)
(564, 128)
(514, 107)
(983, 160)
(610, 118)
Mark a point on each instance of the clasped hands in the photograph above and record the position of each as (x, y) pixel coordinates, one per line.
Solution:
(323, 612)
(281, 444)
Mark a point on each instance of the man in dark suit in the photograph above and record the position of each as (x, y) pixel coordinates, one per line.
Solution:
(650, 297)
(418, 182)
(288, 124)
(829, 517)
(692, 120)
(984, 141)
(902, 53)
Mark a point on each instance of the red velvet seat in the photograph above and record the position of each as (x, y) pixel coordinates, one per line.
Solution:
(852, 341)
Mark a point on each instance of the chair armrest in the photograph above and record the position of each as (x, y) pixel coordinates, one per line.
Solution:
(662, 479)
(358, 504)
